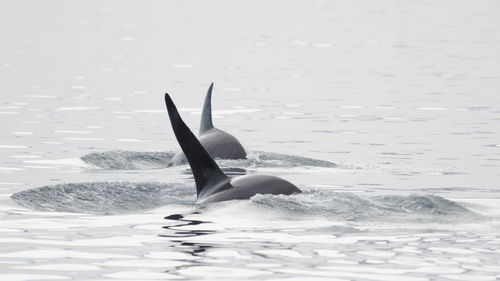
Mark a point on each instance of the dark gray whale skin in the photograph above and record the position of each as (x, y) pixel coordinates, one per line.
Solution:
(212, 185)
(218, 143)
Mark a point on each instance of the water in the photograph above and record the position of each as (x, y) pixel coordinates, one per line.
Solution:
(384, 113)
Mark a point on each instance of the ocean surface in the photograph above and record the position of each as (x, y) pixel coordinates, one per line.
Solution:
(385, 113)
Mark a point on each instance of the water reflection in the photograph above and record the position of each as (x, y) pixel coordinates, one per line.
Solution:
(177, 231)
(184, 222)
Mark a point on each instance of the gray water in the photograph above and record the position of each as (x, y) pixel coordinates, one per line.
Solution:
(385, 113)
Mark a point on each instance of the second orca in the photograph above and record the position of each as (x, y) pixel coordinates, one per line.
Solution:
(218, 143)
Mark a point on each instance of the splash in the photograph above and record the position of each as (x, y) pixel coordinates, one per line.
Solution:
(128, 160)
(270, 159)
(135, 160)
(129, 197)
(104, 197)
(351, 207)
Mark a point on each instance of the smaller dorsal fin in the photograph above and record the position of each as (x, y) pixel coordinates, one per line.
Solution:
(203, 166)
(206, 114)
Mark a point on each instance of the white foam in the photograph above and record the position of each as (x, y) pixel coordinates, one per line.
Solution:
(22, 133)
(66, 161)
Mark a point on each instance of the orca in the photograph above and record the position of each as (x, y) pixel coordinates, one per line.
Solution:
(218, 143)
(212, 185)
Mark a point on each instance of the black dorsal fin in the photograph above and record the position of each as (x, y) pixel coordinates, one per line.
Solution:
(206, 114)
(203, 166)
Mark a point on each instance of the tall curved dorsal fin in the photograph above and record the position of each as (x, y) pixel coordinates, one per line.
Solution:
(206, 114)
(203, 166)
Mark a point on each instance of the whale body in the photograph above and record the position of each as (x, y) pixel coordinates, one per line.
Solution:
(218, 143)
(212, 185)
